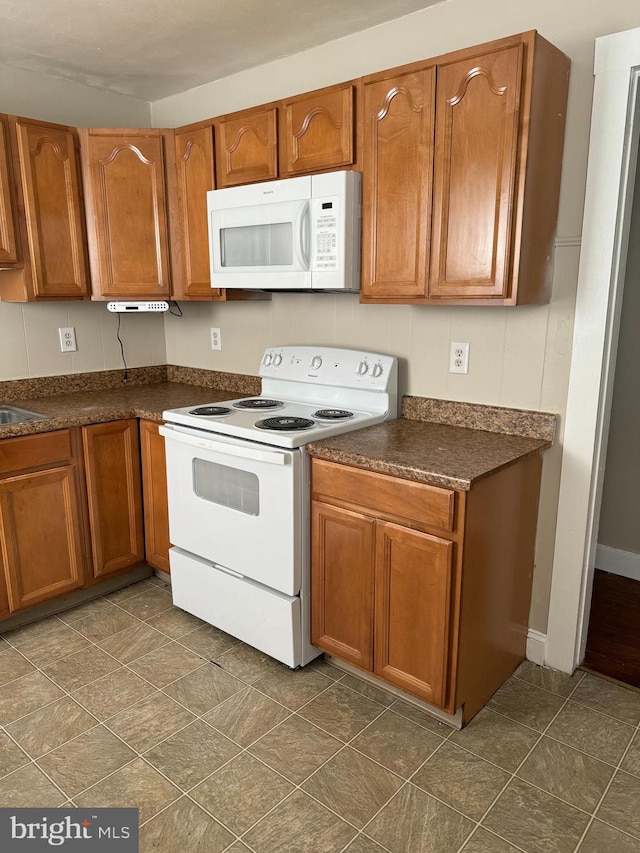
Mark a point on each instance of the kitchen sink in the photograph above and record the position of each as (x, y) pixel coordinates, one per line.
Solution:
(14, 415)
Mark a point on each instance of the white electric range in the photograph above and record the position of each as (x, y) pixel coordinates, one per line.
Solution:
(239, 491)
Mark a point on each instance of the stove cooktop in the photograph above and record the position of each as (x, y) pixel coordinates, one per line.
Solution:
(308, 393)
(290, 424)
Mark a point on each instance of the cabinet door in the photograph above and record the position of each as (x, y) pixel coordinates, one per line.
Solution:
(54, 210)
(412, 607)
(154, 489)
(342, 578)
(397, 171)
(40, 535)
(8, 245)
(112, 463)
(127, 212)
(477, 123)
(319, 131)
(194, 163)
(246, 148)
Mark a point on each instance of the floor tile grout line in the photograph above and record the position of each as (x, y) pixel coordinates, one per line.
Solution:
(617, 769)
(547, 689)
(250, 685)
(519, 766)
(297, 786)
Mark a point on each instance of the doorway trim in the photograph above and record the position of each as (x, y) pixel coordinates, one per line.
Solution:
(613, 153)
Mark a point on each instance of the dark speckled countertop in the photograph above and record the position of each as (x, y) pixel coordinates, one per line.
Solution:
(433, 453)
(89, 398)
(437, 442)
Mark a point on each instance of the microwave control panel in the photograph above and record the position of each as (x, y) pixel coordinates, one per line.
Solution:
(325, 215)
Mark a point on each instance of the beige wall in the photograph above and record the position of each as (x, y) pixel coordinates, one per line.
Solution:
(29, 343)
(518, 357)
(619, 527)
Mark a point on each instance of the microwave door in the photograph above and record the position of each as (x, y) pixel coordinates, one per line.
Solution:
(249, 243)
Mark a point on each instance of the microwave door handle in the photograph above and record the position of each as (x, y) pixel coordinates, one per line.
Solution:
(302, 229)
(175, 433)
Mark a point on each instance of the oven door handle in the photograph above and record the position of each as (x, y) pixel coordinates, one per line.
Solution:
(273, 457)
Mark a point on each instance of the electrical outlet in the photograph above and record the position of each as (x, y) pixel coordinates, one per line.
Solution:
(216, 339)
(68, 339)
(459, 357)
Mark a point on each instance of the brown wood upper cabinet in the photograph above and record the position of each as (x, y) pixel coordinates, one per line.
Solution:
(8, 244)
(462, 159)
(247, 147)
(47, 187)
(318, 131)
(195, 177)
(124, 175)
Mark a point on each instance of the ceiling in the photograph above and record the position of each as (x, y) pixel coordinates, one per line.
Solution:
(150, 49)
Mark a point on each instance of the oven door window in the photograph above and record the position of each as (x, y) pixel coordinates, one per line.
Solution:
(226, 486)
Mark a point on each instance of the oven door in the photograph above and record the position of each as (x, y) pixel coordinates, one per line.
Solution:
(238, 504)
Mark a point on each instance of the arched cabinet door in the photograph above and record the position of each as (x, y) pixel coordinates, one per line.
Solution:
(195, 177)
(247, 147)
(476, 160)
(318, 131)
(49, 176)
(8, 244)
(127, 212)
(397, 171)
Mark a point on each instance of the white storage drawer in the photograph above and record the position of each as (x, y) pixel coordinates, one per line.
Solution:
(263, 618)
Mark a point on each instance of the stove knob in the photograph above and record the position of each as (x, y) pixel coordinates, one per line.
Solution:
(363, 368)
(377, 370)
(268, 358)
(316, 362)
(277, 359)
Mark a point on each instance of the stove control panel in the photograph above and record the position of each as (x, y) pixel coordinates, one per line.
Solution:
(319, 365)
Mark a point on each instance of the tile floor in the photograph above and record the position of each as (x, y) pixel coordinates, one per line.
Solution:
(129, 701)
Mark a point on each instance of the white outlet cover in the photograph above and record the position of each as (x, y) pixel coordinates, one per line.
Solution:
(459, 357)
(216, 339)
(68, 339)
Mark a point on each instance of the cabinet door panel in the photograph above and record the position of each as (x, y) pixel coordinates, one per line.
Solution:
(41, 535)
(412, 606)
(194, 162)
(342, 577)
(112, 462)
(154, 488)
(319, 132)
(129, 213)
(398, 164)
(477, 122)
(8, 245)
(247, 149)
(53, 207)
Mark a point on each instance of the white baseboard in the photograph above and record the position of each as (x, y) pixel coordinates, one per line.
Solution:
(536, 646)
(618, 562)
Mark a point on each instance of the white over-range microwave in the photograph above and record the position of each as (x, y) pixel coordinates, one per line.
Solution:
(295, 234)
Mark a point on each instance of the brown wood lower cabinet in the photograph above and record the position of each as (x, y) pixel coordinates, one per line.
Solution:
(42, 551)
(154, 487)
(71, 509)
(427, 588)
(114, 494)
